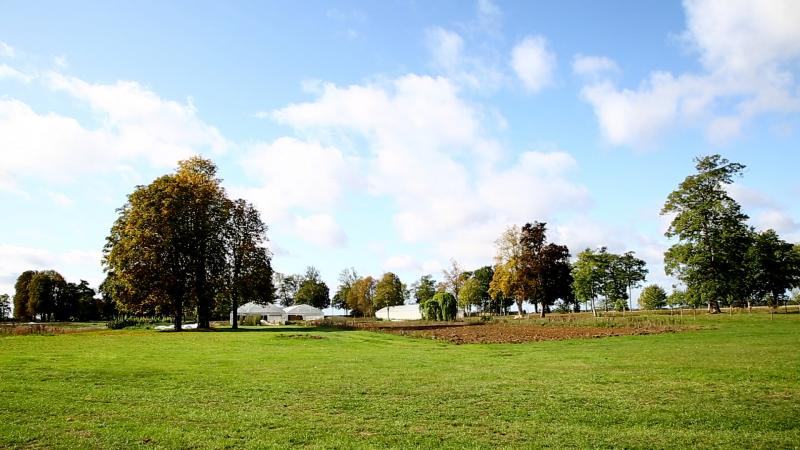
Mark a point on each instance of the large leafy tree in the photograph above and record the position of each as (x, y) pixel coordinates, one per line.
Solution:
(389, 291)
(453, 278)
(167, 247)
(507, 280)
(249, 272)
(347, 277)
(312, 290)
(360, 297)
(47, 296)
(21, 296)
(424, 288)
(711, 231)
(545, 269)
(633, 273)
(774, 267)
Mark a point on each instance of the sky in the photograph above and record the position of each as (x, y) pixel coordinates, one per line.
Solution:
(395, 135)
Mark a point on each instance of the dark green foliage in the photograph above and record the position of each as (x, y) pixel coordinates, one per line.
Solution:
(653, 297)
(546, 271)
(712, 233)
(389, 291)
(21, 296)
(5, 307)
(773, 266)
(442, 306)
(312, 290)
(424, 288)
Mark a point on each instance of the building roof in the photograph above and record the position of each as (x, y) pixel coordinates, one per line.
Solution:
(254, 308)
(303, 310)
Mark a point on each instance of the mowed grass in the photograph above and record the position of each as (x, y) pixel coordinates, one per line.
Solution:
(735, 383)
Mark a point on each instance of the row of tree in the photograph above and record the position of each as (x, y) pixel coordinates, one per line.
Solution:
(296, 289)
(46, 296)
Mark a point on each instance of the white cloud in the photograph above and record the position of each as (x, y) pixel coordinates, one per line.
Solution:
(60, 199)
(7, 50)
(295, 174)
(589, 66)
(401, 263)
(778, 220)
(489, 16)
(7, 71)
(534, 63)
(320, 229)
(749, 51)
(446, 47)
(135, 125)
(419, 136)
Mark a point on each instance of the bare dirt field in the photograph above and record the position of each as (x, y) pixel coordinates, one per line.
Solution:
(496, 333)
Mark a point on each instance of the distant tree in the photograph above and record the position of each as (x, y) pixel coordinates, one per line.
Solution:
(5, 306)
(22, 296)
(47, 296)
(389, 291)
(546, 270)
(442, 306)
(453, 278)
(471, 294)
(588, 277)
(346, 279)
(286, 287)
(653, 297)
(249, 272)
(711, 230)
(423, 289)
(614, 276)
(507, 280)
(360, 297)
(81, 303)
(633, 272)
(677, 299)
(483, 276)
(774, 267)
(313, 291)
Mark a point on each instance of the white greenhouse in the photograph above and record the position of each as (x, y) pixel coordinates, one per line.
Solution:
(400, 312)
(269, 313)
(304, 312)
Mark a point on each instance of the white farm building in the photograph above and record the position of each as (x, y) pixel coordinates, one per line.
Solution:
(269, 313)
(400, 312)
(304, 312)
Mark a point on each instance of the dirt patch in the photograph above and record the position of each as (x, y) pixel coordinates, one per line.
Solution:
(479, 333)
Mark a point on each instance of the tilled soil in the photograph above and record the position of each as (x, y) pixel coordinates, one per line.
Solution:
(502, 333)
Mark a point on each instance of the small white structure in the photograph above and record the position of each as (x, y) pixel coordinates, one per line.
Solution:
(400, 312)
(304, 312)
(268, 313)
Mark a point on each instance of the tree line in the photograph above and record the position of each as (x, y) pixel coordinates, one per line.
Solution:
(180, 245)
(46, 296)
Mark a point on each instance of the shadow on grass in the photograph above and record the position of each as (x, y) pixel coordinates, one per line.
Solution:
(285, 329)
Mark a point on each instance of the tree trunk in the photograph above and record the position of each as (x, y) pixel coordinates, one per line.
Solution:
(594, 311)
(234, 307)
(541, 314)
(178, 318)
(519, 307)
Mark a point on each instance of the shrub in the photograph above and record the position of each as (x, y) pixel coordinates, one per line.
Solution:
(251, 320)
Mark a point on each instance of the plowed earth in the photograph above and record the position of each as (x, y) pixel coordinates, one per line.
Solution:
(479, 333)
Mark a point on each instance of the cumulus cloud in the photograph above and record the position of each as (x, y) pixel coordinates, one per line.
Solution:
(446, 47)
(426, 150)
(748, 50)
(448, 53)
(136, 125)
(291, 173)
(320, 229)
(534, 63)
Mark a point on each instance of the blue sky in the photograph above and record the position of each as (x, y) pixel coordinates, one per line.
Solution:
(393, 135)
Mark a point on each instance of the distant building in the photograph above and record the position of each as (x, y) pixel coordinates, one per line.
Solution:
(269, 313)
(304, 312)
(400, 312)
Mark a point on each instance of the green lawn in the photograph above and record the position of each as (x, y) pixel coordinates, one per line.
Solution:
(735, 383)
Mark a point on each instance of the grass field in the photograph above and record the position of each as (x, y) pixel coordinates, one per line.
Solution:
(735, 383)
